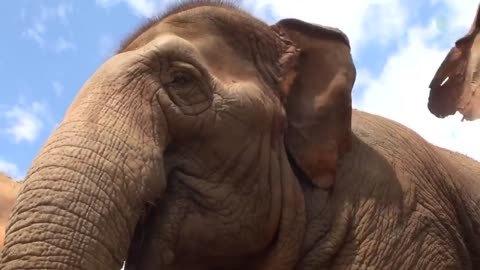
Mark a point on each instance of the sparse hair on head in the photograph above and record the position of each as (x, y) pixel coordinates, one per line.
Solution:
(175, 8)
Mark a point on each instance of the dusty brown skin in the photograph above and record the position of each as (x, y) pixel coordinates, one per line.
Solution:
(455, 84)
(215, 141)
(8, 193)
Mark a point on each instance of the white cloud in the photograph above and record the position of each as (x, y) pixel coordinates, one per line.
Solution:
(62, 10)
(10, 169)
(462, 12)
(144, 8)
(36, 33)
(38, 30)
(24, 123)
(58, 88)
(61, 44)
(22, 13)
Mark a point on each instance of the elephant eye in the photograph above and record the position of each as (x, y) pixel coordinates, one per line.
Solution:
(181, 79)
(184, 86)
(187, 88)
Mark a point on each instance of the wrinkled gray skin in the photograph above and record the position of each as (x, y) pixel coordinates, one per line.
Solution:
(208, 143)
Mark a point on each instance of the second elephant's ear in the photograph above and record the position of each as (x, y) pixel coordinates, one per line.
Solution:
(455, 84)
(318, 100)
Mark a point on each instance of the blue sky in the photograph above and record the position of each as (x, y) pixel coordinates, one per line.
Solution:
(50, 48)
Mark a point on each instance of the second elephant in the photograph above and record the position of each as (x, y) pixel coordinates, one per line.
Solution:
(8, 193)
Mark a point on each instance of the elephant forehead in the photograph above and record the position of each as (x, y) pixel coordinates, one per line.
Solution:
(223, 58)
(232, 43)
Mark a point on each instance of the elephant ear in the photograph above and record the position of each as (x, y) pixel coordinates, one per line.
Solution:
(318, 98)
(455, 84)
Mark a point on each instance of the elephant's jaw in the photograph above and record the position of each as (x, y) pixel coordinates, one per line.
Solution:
(162, 241)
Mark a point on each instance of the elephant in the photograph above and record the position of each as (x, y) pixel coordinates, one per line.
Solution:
(454, 85)
(213, 140)
(8, 193)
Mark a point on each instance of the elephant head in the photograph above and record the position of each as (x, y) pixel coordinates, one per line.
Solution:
(190, 147)
(455, 84)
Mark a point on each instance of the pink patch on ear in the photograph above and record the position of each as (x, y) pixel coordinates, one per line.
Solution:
(320, 165)
(324, 181)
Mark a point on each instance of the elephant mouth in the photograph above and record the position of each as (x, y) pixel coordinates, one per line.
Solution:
(143, 233)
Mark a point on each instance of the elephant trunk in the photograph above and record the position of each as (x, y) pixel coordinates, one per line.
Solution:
(86, 189)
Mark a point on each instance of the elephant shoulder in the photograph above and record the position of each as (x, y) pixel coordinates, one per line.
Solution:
(404, 157)
(463, 162)
(376, 130)
(401, 150)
